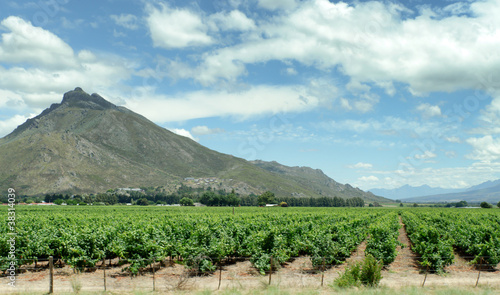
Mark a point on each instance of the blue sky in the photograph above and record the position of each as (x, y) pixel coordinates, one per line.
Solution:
(377, 94)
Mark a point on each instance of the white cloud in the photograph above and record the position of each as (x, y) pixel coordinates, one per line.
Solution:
(371, 42)
(486, 149)
(453, 139)
(176, 28)
(367, 181)
(44, 67)
(277, 4)
(128, 21)
(204, 130)
(24, 43)
(183, 132)
(7, 126)
(425, 155)
(255, 101)
(361, 165)
(429, 111)
(232, 21)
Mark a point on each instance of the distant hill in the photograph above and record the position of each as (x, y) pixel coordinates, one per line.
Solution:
(407, 191)
(487, 192)
(86, 144)
(317, 181)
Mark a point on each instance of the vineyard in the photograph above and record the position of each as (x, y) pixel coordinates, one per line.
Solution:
(201, 239)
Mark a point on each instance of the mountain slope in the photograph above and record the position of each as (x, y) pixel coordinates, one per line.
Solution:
(489, 194)
(86, 144)
(317, 181)
(407, 191)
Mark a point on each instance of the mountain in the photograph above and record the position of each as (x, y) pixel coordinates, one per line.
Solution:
(317, 181)
(488, 192)
(86, 144)
(406, 191)
(484, 185)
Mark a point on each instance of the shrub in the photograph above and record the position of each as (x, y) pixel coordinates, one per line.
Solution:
(350, 278)
(486, 205)
(367, 273)
(186, 202)
(371, 271)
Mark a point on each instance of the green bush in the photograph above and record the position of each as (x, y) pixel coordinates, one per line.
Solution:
(350, 278)
(367, 273)
(371, 271)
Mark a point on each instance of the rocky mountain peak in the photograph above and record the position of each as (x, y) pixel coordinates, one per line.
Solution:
(79, 98)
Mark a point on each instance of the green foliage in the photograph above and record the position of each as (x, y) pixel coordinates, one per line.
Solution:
(371, 271)
(350, 278)
(384, 238)
(266, 198)
(186, 202)
(498, 204)
(142, 202)
(367, 273)
(486, 205)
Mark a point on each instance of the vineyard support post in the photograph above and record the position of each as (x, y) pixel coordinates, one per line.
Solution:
(479, 273)
(425, 278)
(104, 271)
(51, 274)
(322, 271)
(220, 275)
(270, 270)
(154, 279)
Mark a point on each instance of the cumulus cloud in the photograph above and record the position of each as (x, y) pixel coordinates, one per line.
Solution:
(25, 43)
(44, 66)
(425, 155)
(176, 28)
(7, 126)
(204, 130)
(244, 104)
(232, 21)
(370, 42)
(128, 21)
(428, 111)
(486, 149)
(183, 132)
(361, 165)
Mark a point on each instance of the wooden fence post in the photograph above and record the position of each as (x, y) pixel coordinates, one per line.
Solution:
(104, 269)
(154, 278)
(271, 270)
(220, 275)
(51, 274)
(479, 273)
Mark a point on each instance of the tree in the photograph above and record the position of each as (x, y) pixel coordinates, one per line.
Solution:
(415, 205)
(401, 205)
(266, 198)
(283, 204)
(498, 205)
(486, 205)
(142, 202)
(186, 202)
(461, 204)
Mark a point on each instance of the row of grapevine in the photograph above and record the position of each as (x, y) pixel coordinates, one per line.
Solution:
(384, 238)
(433, 244)
(199, 238)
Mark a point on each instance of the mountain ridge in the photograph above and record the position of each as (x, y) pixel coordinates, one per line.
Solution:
(406, 191)
(87, 144)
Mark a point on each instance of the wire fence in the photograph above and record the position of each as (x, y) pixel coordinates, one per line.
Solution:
(230, 272)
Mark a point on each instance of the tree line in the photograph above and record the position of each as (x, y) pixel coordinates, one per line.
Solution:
(185, 196)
